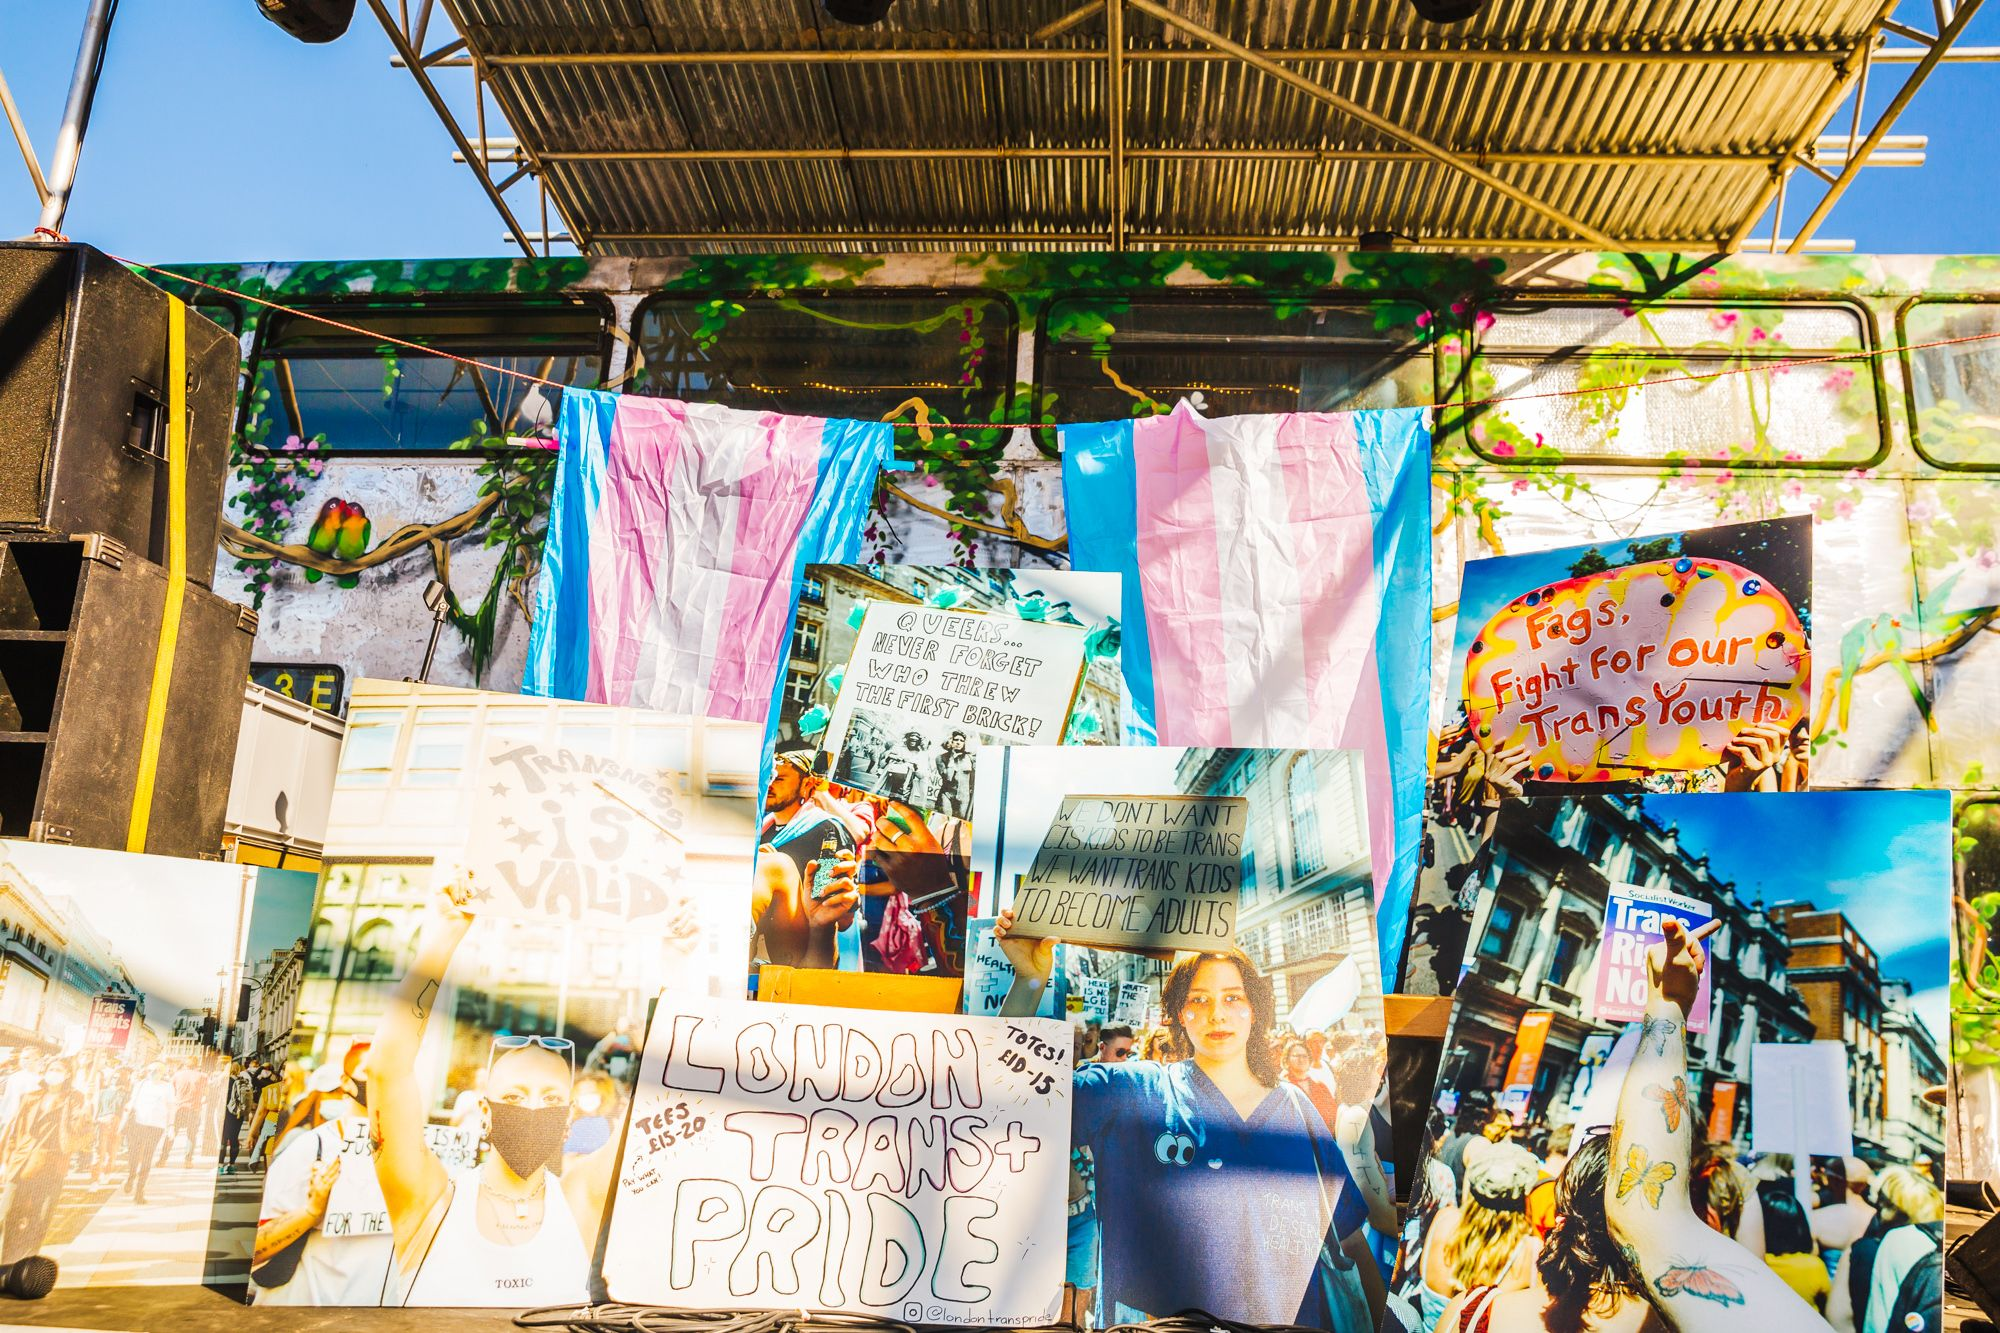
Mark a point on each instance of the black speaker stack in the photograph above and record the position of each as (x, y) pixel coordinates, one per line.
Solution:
(85, 510)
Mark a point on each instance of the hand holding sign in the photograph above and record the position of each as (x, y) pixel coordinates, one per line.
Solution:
(1674, 965)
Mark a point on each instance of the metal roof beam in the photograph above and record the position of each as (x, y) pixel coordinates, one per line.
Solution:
(507, 151)
(1791, 52)
(1858, 157)
(410, 58)
(1379, 123)
(1686, 245)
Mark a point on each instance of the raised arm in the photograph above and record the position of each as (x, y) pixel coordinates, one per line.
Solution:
(1034, 962)
(412, 1177)
(1698, 1279)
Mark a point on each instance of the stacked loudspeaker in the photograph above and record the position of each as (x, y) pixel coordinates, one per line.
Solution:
(86, 536)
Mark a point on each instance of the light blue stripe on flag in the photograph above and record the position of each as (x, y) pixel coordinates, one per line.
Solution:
(1100, 503)
(559, 642)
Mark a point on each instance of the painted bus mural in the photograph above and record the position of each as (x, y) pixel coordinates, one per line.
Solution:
(362, 472)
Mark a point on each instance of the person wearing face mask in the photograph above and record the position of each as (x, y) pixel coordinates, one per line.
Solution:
(596, 1107)
(496, 1234)
(293, 1260)
(50, 1124)
(1220, 1186)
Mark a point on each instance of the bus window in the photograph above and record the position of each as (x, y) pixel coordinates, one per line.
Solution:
(1825, 415)
(1105, 357)
(1954, 391)
(366, 396)
(857, 355)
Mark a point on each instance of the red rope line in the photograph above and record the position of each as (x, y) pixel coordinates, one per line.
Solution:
(1679, 377)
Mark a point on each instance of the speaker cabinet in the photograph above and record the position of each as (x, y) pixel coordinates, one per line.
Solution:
(83, 405)
(79, 630)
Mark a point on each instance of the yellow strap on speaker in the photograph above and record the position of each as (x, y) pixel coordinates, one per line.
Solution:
(170, 619)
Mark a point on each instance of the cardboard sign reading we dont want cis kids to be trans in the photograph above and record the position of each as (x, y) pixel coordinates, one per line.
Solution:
(1142, 872)
(558, 835)
(1648, 667)
(907, 1166)
(1632, 917)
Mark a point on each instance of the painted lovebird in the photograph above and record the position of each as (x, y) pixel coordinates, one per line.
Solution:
(354, 530)
(325, 531)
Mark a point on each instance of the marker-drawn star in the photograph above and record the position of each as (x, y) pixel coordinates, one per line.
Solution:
(567, 789)
(480, 894)
(525, 839)
(500, 789)
(506, 821)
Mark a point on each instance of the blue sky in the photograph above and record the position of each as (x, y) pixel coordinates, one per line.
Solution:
(218, 137)
(1882, 857)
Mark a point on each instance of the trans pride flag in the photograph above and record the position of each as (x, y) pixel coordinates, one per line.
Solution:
(1277, 593)
(676, 533)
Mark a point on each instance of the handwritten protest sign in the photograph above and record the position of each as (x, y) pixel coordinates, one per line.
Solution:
(1799, 1102)
(566, 836)
(1632, 917)
(1654, 666)
(1134, 999)
(925, 688)
(1144, 872)
(354, 1206)
(1096, 992)
(907, 1166)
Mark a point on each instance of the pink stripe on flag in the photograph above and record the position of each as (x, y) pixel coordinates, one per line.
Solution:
(772, 500)
(629, 549)
(1181, 580)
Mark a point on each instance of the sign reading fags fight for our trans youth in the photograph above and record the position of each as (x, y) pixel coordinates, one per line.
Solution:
(560, 835)
(1137, 872)
(1632, 917)
(907, 1166)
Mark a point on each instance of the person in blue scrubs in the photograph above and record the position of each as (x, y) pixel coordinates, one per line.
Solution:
(1219, 1186)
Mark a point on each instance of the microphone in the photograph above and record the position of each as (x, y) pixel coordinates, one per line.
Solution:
(28, 1279)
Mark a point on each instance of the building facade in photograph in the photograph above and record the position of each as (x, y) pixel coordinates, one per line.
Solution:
(1534, 944)
(32, 939)
(1892, 1058)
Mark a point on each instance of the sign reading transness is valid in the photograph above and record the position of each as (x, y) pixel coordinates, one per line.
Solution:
(1137, 872)
(558, 835)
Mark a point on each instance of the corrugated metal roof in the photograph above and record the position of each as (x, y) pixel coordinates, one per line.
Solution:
(1725, 121)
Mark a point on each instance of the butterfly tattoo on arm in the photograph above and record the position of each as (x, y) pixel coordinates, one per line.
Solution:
(1673, 1102)
(1682, 1278)
(1640, 1172)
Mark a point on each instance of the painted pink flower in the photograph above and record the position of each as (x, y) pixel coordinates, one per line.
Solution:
(1482, 321)
(1719, 452)
(1504, 449)
(1837, 381)
(291, 442)
(1795, 489)
(1843, 508)
(1794, 456)
(1857, 474)
(1724, 477)
(1423, 319)
(1924, 508)
(1989, 558)
(1520, 484)
(1721, 320)
(1758, 335)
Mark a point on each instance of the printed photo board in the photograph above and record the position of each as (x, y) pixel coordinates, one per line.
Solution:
(1723, 1159)
(897, 675)
(1203, 919)
(1670, 663)
(905, 1166)
(143, 1010)
(508, 881)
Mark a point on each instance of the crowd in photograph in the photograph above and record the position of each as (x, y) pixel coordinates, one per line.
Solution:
(81, 1119)
(1515, 1224)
